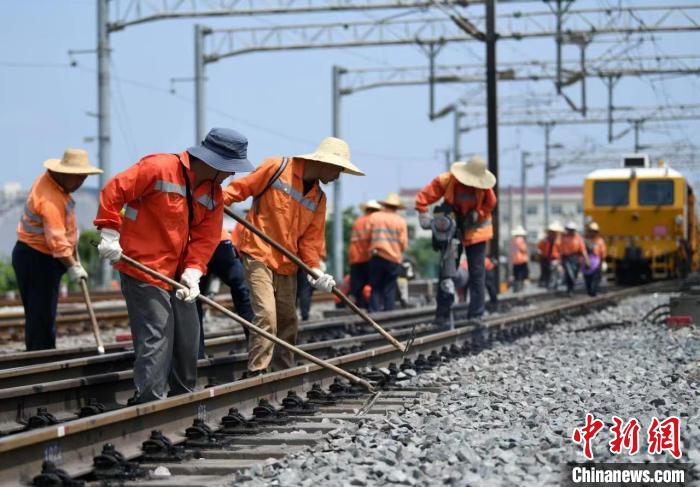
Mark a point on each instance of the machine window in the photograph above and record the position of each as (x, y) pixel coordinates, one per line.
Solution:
(611, 193)
(655, 193)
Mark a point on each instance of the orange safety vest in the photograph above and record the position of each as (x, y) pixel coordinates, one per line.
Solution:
(549, 248)
(518, 251)
(155, 229)
(283, 212)
(463, 199)
(389, 235)
(48, 221)
(360, 240)
(598, 247)
(572, 244)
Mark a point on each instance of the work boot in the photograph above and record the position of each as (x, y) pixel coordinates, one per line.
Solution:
(252, 373)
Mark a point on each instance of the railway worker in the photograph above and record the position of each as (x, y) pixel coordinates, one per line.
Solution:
(172, 223)
(549, 255)
(290, 207)
(573, 252)
(226, 264)
(597, 251)
(389, 239)
(47, 237)
(519, 258)
(468, 188)
(359, 252)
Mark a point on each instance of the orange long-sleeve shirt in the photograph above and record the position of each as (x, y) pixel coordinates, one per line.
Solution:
(548, 248)
(284, 212)
(155, 228)
(598, 247)
(518, 251)
(360, 240)
(389, 235)
(572, 244)
(463, 199)
(48, 221)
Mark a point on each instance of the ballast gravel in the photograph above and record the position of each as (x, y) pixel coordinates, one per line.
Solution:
(506, 416)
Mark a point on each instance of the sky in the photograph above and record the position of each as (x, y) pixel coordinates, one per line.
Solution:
(282, 101)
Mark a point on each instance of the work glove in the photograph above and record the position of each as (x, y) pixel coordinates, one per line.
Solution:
(109, 247)
(324, 282)
(190, 278)
(424, 220)
(604, 266)
(77, 272)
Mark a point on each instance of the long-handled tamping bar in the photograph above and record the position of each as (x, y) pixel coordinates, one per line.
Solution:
(351, 377)
(337, 292)
(93, 318)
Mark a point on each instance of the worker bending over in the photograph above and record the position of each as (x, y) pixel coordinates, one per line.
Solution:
(172, 223)
(47, 238)
(359, 252)
(468, 189)
(389, 238)
(290, 207)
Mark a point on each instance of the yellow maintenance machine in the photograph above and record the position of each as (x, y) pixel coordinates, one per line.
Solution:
(648, 218)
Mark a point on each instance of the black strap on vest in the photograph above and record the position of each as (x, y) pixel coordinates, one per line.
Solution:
(275, 177)
(188, 194)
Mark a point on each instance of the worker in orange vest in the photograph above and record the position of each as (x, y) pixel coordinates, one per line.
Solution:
(173, 215)
(359, 251)
(462, 282)
(388, 242)
(290, 207)
(597, 252)
(519, 257)
(549, 255)
(47, 238)
(573, 252)
(468, 188)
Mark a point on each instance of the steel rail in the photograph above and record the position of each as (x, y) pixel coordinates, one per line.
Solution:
(77, 442)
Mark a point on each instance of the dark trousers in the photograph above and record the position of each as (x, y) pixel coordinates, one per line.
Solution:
(477, 279)
(227, 266)
(490, 285)
(571, 266)
(359, 278)
(382, 277)
(593, 282)
(39, 278)
(305, 292)
(545, 272)
(520, 273)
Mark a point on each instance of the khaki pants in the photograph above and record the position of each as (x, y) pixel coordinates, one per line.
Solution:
(273, 297)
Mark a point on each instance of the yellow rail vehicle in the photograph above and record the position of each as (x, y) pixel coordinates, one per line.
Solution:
(647, 217)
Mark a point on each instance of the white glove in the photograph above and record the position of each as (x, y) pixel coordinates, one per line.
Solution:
(323, 283)
(109, 247)
(424, 220)
(604, 266)
(77, 272)
(190, 278)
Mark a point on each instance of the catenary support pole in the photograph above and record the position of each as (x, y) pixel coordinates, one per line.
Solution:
(456, 135)
(492, 110)
(103, 114)
(523, 188)
(547, 172)
(338, 266)
(199, 84)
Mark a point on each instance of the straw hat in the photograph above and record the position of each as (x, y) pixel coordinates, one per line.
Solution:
(336, 152)
(371, 205)
(555, 226)
(392, 200)
(519, 231)
(570, 226)
(593, 227)
(473, 173)
(74, 161)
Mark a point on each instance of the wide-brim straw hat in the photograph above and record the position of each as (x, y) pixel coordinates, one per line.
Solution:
(519, 231)
(392, 200)
(74, 161)
(555, 227)
(336, 152)
(371, 205)
(473, 173)
(593, 227)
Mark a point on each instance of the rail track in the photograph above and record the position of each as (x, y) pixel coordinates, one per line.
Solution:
(75, 442)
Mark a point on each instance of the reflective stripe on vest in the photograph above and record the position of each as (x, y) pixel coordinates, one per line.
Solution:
(34, 218)
(483, 224)
(393, 235)
(31, 215)
(206, 201)
(296, 195)
(30, 229)
(168, 187)
(69, 206)
(130, 213)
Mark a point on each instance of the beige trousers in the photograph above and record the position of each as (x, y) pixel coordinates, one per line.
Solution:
(273, 297)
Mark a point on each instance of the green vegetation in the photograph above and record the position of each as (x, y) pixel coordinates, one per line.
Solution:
(421, 251)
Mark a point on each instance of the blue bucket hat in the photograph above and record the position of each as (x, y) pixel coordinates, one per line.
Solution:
(225, 150)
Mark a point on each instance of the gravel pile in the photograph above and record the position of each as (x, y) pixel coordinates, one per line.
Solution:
(507, 415)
